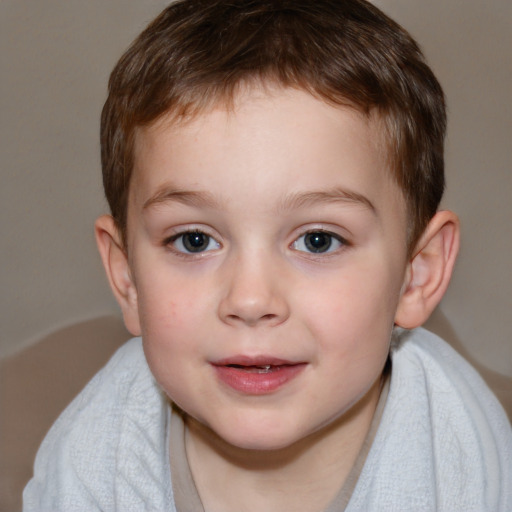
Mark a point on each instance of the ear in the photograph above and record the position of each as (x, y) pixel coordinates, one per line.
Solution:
(429, 271)
(118, 272)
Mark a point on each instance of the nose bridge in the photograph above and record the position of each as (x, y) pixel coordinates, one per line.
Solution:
(253, 290)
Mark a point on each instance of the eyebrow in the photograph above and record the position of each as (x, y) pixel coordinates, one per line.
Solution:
(290, 202)
(335, 195)
(187, 197)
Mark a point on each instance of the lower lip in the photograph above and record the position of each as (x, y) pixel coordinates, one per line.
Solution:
(258, 383)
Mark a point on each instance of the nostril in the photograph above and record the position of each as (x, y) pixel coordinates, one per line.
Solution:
(246, 319)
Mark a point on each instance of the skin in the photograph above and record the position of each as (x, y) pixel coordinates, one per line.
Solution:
(255, 181)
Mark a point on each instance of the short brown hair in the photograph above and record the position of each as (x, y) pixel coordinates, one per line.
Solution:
(346, 52)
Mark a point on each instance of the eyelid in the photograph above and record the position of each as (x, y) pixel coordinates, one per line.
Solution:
(182, 229)
(343, 241)
(168, 242)
(328, 229)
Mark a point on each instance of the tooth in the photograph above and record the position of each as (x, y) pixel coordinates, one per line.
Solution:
(264, 368)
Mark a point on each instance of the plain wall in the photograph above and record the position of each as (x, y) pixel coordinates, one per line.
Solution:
(56, 58)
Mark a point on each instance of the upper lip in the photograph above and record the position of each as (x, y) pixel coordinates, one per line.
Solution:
(260, 360)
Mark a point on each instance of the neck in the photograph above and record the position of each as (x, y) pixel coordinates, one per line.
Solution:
(305, 476)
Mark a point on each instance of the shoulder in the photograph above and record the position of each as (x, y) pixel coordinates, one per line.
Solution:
(124, 378)
(444, 441)
(90, 458)
(447, 379)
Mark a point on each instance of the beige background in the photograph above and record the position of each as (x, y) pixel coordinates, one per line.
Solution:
(55, 59)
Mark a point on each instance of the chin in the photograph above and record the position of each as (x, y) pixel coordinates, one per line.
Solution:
(259, 438)
(263, 444)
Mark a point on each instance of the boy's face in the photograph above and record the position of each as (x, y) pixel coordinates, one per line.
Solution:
(267, 252)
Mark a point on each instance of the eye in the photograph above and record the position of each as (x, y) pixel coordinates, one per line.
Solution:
(318, 242)
(192, 242)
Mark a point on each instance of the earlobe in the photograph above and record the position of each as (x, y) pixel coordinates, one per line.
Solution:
(116, 266)
(429, 271)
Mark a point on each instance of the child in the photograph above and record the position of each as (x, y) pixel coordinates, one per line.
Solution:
(274, 169)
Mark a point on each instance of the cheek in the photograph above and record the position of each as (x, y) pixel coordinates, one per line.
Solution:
(176, 322)
(163, 327)
(357, 300)
(352, 318)
(170, 328)
(168, 304)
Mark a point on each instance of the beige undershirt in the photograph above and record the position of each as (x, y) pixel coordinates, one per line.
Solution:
(187, 498)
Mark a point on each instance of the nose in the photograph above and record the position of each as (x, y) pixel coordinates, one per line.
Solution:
(253, 294)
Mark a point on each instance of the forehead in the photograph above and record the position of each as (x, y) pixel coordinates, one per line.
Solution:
(277, 135)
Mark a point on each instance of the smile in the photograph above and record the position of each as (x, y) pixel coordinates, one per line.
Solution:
(257, 378)
(256, 369)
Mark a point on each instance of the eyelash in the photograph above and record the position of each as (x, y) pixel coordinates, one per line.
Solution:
(178, 243)
(342, 242)
(179, 239)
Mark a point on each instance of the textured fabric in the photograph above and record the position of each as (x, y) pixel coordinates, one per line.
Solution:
(342, 499)
(107, 451)
(444, 442)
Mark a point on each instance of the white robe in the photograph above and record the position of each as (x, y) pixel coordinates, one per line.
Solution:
(444, 442)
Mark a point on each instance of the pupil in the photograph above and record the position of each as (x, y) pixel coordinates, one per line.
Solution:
(195, 242)
(318, 242)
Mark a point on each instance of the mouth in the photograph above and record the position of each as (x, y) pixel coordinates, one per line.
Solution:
(257, 377)
(261, 369)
